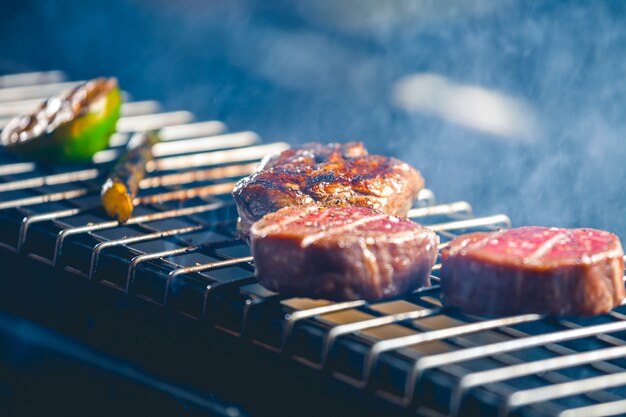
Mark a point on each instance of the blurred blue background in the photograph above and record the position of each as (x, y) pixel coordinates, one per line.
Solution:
(517, 107)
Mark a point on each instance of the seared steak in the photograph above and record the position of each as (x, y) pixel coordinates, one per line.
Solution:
(333, 174)
(312, 153)
(341, 252)
(534, 270)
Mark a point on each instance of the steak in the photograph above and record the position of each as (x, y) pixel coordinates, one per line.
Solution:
(333, 174)
(341, 252)
(562, 272)
(312, 153)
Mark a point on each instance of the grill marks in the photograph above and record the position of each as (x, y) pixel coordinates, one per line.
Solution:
(318, 220)
(315, 153)
(333, 174)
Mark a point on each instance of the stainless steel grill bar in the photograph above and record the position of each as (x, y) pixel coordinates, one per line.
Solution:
(110, 155)
(182, 146)
(97, 250)
(238, 283)
(170, 129)
(192, 130)
(58, 248)
(443, 245)
(529, 368)
(17, 168)
(201, 144)
(31, 78)
(609, 340)
(344, 329)
(239, 139)
(153, 121)
(229, 171)
(29, 220)
(565, 389)
(166, 180)
(209, 190)
(292, 318)
(132, 268)
(206, 267)
(499, 219)
(35, 91)
(176, 132)
(12, 108)
(612, 408)
(449, 358)
(187, 193)
(406, 341)
(233, 140)
(54, 179)
(216, 158)
(200, 268)
(9, 109)
(459, 207)
(250, 304)
(137, 108)
(45, 198)
(426, 196)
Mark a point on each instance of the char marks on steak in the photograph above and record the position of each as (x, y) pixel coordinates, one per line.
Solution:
(571, 272)
(341, 252)
(313, 153)
(333, 174)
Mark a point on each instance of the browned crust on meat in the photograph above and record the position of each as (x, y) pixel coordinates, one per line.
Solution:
(312, 153)
(333, 174)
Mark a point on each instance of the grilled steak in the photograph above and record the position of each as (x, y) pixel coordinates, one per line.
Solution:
(341, 252)
(534, 270)
(333, 174)
(312, 153)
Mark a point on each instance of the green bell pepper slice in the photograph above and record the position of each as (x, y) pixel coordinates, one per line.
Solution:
(68, 128)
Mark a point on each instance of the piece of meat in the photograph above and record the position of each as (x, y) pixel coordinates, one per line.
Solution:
(333, 174)
(312, 153)
(563, 272)
(341, 252)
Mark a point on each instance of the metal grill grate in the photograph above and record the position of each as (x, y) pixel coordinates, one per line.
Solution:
(184, 255)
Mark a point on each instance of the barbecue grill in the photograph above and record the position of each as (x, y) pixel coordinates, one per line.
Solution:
(179, 258)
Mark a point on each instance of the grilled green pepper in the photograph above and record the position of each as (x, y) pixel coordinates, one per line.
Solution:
(120, 188)
(70, 127)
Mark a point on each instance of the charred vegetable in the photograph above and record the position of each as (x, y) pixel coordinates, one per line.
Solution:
(70, 127)
(120, 188)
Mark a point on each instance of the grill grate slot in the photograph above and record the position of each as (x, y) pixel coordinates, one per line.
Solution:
(185, 256)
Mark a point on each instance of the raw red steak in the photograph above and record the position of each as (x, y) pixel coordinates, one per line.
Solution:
(341, 252)
(534, 270)
(330, 174)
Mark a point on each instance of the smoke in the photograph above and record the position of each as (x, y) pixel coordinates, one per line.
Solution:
(470, 106)
(538, 134)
